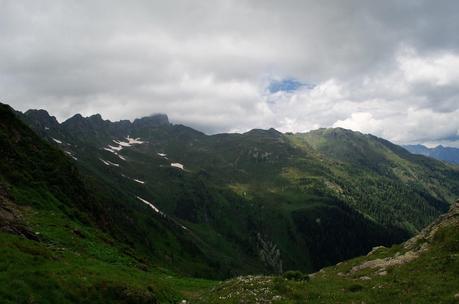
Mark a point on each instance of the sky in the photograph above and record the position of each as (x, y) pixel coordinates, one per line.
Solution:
(389, 68)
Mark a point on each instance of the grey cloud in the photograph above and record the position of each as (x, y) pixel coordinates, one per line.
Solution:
(208, 63)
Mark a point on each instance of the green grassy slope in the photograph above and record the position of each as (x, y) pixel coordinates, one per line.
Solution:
(54, 245)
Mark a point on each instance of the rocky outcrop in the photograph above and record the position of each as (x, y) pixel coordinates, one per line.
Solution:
(269, 254)
(10, 217)
(426, 235)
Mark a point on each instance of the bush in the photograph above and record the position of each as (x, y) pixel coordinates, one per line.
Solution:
(294, 275)
(355, 288)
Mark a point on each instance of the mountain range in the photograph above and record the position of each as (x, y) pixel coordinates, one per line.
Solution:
(448, 154)
(150, 211)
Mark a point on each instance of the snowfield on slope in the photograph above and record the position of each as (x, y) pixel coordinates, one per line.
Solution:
(150, 204)
(71, 155)
(123, 144)
(109, 163)
(177, 165)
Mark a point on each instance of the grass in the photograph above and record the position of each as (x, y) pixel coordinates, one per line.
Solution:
(73, 262)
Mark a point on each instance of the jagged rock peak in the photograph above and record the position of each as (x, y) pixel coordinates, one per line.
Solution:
(42, 117)
(79, 118)
(75, 117)
(39, 114)
(95, 117)
(153, 120)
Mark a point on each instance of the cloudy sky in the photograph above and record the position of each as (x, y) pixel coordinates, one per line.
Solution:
(390, 68)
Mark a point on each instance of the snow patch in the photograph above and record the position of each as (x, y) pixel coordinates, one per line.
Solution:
(120, 145)
(134, 141)
(109, 163)
(113, 164)
(56, 140)
(115, 148)
(71, 155)
(162, 154)
(177, 165)
(121, 157)
(150, 204)
(134, 179)
(106, 163)
(46, 128)
(110, 150)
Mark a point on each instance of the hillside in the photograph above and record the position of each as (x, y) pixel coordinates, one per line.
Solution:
(57, 241)
(448, 154)
(258, 202)
(425, 269)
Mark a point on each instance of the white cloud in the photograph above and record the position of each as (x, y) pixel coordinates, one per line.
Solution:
(360, 121)
(438, 70)
(390, 104)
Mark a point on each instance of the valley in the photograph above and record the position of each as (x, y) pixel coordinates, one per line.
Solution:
(149, 211)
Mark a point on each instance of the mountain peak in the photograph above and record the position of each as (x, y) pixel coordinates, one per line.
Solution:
(95, 117)
(41, 117)
(75, 117)
(154, 120)
(270, 131)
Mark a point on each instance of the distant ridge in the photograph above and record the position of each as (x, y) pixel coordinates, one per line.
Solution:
(440, 152)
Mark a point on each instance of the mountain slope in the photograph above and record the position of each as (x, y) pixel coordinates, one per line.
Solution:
(447, 154)
(383, 180)
(425, 269)
(261, 201)
(95, 211)
(55, 236)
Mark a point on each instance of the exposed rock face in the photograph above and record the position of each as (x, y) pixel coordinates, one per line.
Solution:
(10, 218)
(269, 254)
(93, 122)
(42, 118)
(387, 262)
(152, 121)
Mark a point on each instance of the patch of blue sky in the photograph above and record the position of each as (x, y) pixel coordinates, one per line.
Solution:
(287, 85)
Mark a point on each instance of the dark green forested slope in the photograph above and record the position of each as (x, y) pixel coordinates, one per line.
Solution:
(383, 180)
(424, 269)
